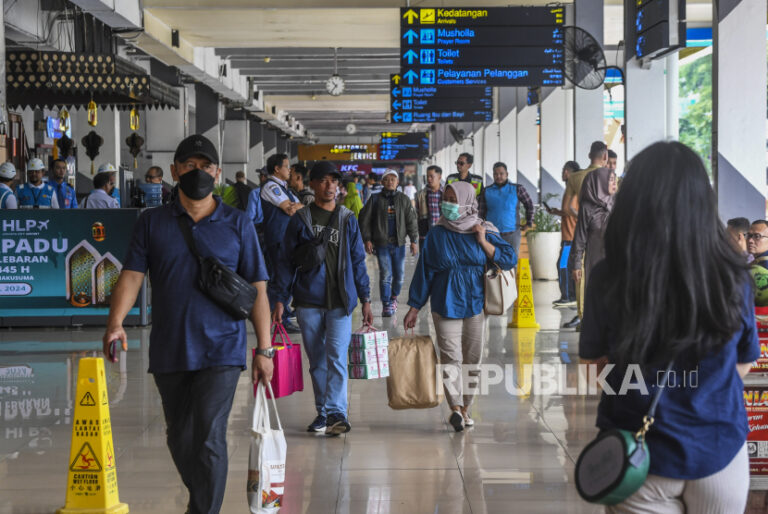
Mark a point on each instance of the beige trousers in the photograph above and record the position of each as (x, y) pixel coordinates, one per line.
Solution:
(460, 342)
(725, 492)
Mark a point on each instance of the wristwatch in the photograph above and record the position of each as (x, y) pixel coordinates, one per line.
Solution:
(365, 300)
(266, 352)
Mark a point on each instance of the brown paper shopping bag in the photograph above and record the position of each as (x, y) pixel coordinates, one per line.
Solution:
(412, 380)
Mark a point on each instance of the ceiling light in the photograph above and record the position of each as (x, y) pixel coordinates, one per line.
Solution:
(267, 59)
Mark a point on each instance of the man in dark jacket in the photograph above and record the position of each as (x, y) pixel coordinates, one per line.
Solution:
(325, 295)
(385, 221)
(242, 190)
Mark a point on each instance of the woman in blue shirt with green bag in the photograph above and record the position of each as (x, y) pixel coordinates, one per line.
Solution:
(450, 274)
(672, 288)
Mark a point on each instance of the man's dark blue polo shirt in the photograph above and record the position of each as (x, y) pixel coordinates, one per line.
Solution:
(189, 331)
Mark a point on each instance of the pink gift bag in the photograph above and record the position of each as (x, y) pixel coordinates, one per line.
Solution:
(287, 377)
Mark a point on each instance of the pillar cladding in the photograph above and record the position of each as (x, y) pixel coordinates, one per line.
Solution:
(508, 129)
(528, 146)
(556, 138)
(208, 115)
(235, 145)
(255, 150)
(588, 104)
(270, 142)
(645, 99)
(739, 99)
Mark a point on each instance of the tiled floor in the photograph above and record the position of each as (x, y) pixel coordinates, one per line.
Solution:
(518, 458)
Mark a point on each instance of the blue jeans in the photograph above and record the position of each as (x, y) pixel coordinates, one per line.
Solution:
(196, 405)
(326, 335)
(391, 271)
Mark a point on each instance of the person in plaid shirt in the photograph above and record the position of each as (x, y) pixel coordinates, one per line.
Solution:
(499, 202)
(428, 202)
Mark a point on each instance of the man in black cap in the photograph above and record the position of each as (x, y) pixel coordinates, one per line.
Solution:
(197, 350)
(326, 295)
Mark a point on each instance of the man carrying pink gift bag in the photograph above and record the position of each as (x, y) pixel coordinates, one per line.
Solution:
(323, 267)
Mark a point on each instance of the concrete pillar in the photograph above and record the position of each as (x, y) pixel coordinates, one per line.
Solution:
(270, 142)
(236, 145)
(480, 166)
(491, 152)
(528, 146)
(588, 104)
(645, 106)
(508, 129)
(255, 150)
(556, 138)
(738, 107)
(673, 96)
(208, 116)
(165, 128)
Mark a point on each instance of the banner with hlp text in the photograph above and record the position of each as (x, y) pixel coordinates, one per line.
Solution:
(60, 266)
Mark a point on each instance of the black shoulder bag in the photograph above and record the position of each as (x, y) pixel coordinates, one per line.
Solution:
(307, 256)
(231, 292)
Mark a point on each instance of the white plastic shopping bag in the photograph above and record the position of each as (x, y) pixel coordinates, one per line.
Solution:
(266, 465)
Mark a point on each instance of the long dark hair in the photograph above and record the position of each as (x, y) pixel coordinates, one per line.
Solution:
(675, 279)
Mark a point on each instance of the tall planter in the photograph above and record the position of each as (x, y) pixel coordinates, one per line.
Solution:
(543, 248)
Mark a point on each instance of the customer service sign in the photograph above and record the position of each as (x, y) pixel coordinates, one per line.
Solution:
(61, 262)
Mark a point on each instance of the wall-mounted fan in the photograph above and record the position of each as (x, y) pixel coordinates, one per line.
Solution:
(460, 136)
(585, 64)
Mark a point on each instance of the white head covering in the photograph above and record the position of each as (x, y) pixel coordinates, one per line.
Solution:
(7, 170)
(35, 165)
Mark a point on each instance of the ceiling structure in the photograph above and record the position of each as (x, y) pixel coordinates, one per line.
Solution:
(288, 46)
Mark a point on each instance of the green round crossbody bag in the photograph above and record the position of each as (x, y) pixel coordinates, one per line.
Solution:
(615, 465)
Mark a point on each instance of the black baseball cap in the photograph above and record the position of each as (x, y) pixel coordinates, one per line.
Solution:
(196, 145)
(323, 168)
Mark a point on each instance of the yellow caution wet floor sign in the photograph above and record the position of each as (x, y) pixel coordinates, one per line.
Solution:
(523, 315)
(92, 481)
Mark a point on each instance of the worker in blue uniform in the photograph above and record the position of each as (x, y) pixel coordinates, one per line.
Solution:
(36, 194)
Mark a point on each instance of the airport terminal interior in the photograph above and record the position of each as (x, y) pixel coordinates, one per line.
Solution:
(120, 117)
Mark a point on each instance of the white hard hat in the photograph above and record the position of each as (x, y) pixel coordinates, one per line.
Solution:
(7, 170)
(107, 166)
(35, 165)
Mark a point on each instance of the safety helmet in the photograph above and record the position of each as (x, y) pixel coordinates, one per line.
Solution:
(107, 167)
(7, 170)
(35, 165)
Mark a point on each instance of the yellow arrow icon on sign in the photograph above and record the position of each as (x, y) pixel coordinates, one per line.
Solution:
(410, 14)
(396, 79)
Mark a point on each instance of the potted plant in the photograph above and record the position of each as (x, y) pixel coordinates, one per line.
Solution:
(544, 242)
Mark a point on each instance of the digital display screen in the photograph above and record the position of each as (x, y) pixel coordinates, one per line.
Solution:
(499, 46)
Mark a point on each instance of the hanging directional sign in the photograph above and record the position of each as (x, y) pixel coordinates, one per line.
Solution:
(432, 104)
(403, 146)
(498, 46)
(659, 27)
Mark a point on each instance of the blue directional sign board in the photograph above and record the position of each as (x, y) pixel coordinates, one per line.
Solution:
(497, 46)
(659, 27)
(435, 104)
(403, 146)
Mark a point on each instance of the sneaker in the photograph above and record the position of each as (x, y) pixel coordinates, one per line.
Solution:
(337, 424)
(468, 422)
(393, 305)
(561, 304)
(456, 421)
(386, 311)
(574, 323)
(318, 425)
(291, 328)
